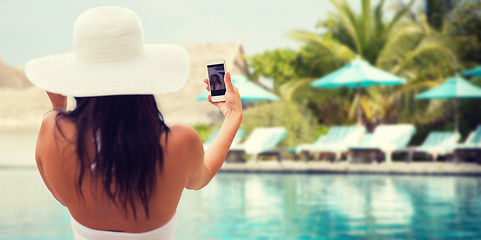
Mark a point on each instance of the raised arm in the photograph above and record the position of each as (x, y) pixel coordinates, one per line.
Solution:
(58, 101)
(217, 152)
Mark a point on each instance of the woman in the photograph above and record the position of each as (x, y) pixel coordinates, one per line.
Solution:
(216, 83)
(112, 161)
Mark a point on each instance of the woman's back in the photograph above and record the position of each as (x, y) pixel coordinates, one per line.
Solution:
(57, 155)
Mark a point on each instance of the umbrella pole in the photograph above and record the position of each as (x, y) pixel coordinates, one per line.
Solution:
(358, 95)
(456, 127)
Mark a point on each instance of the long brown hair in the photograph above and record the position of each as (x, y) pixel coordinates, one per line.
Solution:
(126, 132)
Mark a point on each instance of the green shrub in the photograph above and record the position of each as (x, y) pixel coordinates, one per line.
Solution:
(321, 130)
(204, 131)
(298, 121)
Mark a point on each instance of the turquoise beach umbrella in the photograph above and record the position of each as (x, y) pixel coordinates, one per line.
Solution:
(249, 91)
(357, 74)
(454, 88)
(473, 72)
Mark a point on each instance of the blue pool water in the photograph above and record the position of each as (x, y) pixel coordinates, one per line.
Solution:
(279, 206)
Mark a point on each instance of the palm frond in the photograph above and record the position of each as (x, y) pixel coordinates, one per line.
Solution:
(378, 20)
(399, 14)
(437, 49)
(288, 90)
(403, 40)
(337, 50)
(348, 20)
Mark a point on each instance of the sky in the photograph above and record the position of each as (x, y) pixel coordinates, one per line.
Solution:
(35, 28)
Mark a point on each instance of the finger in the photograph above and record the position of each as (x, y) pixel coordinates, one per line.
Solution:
(235, 88)
(210, 100)
(206, 81)
(228, 82)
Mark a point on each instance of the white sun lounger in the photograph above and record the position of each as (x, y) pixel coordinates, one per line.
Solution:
(437, 144)
(262, 140)
(237, 138)
(471, 147)
(386, 139)
(337, 141)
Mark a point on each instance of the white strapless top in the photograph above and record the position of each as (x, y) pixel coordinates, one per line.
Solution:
(81, 232)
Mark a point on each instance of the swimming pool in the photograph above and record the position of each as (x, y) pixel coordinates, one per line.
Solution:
(279, 206)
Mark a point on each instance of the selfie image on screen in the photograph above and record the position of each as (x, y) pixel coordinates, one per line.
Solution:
(216, 79)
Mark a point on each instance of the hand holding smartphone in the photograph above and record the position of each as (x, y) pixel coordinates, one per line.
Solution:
(216, 75)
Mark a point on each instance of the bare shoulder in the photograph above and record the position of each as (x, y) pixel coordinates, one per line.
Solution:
(53, 126)
(183, 131)
(182, 137)
(48, 128)
(184, 142)
(49, 120)
(55, 133)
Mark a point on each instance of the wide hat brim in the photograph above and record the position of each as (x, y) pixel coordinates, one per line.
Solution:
(164, 68)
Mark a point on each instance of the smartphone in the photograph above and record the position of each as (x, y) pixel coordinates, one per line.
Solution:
(216, 73)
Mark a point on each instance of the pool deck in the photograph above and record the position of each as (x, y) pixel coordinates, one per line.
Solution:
(414, 168)
(316, 167)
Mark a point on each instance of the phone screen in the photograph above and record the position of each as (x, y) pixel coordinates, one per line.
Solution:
(216, 79)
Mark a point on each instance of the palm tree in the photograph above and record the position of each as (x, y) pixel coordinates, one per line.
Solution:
(437, 12)
(402, 46)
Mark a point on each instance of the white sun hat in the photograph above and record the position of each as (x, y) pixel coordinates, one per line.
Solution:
(110, 57)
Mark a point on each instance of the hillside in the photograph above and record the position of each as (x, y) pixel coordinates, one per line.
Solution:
(22, 104)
